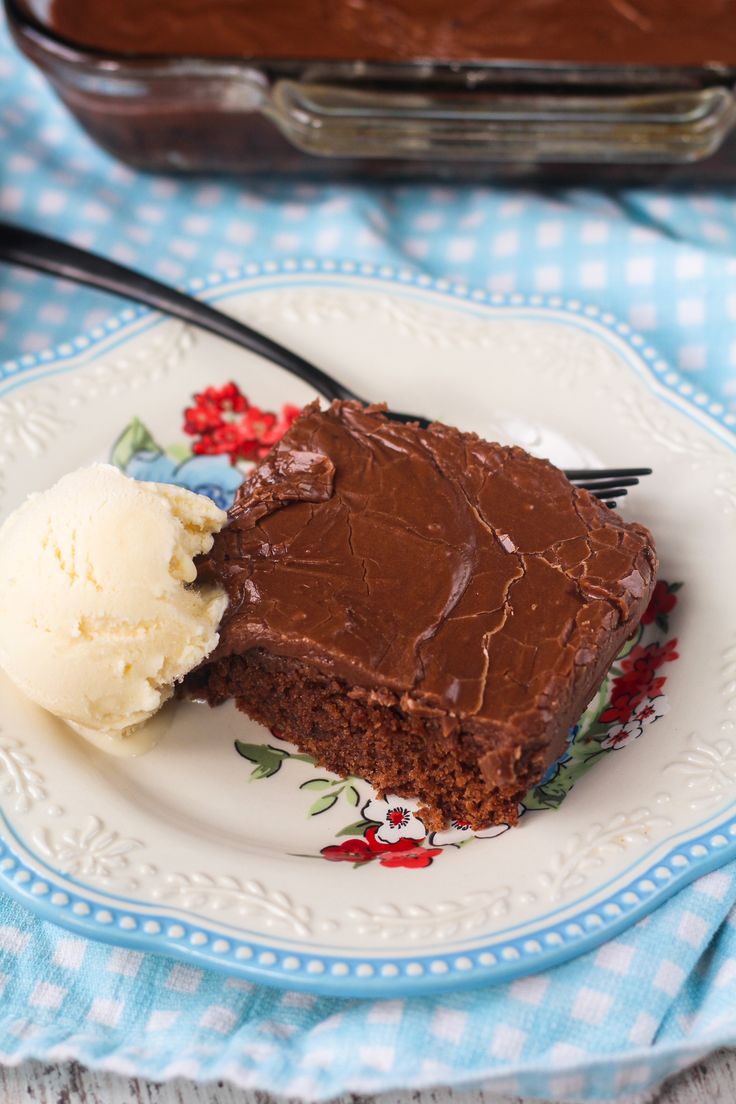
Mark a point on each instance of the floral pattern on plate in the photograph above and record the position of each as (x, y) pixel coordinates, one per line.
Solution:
(229, 434)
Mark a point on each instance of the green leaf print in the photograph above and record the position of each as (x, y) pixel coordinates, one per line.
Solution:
(317, 784)
(322, 804)
(268, 759)
(356, 829)
(551, 794)
(178, 453)
(592, 738)
(352, 796)
(136, 438)
(584, 750)
(629, 646)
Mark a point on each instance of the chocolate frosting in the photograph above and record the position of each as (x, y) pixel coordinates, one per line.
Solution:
(648, 32)
(427, 568)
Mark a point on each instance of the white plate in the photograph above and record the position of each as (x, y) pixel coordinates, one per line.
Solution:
(179, 851)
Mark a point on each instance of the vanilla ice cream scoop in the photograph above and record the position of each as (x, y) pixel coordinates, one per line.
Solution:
(98, 621)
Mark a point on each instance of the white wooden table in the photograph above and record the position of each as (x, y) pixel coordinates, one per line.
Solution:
(709, 1082)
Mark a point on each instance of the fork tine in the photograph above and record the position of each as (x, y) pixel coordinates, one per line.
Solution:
(613, 492)
(605, 473)
(604, 484)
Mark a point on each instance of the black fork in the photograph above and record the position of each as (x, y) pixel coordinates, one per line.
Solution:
(56, 258)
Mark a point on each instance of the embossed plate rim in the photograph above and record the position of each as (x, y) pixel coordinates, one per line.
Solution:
(94, 914)
(366, 976)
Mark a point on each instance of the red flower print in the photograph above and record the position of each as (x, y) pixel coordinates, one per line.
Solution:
(201, 419)
(268, 437)
(638, 681)
(352, 850)
(625, 697)
(404, 852)
(225, 423)
(410, 856)
(646, 713)
(211, 406)
(377, 846)
(225, 439)
(662, 602)
(618, 737)
(398, 818)
(640, 665)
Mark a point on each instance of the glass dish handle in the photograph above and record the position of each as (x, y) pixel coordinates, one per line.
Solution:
(331, 120)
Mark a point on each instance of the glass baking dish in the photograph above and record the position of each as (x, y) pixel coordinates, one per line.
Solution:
(441, 120)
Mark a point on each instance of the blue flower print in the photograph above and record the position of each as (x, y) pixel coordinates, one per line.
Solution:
(213, 476)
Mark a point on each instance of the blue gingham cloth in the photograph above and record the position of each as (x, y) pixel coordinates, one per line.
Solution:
(609, 1024)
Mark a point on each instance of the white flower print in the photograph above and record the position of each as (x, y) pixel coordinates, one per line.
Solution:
(460, 831)
(645, 713)
(396, 819)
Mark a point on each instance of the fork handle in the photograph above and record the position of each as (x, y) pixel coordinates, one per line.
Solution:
(56, 258)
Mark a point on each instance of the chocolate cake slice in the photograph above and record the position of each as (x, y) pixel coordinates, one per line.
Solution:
(420, 607)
